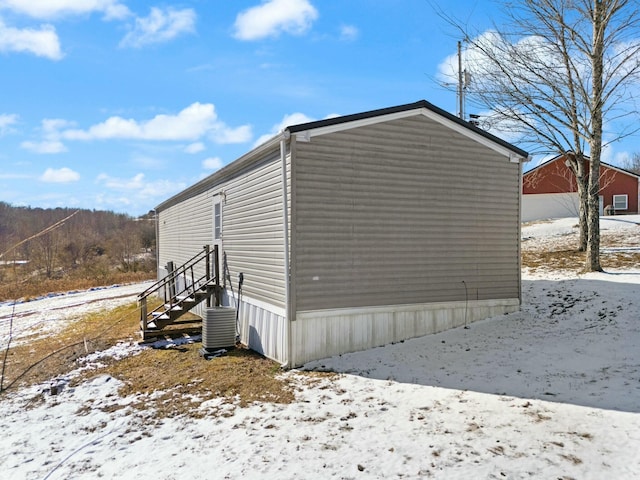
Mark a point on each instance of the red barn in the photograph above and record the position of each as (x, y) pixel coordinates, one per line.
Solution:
(550, 191)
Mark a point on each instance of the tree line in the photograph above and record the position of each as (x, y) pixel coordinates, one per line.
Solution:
(79, 246)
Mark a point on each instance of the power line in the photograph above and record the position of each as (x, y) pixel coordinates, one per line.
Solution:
(50, 228)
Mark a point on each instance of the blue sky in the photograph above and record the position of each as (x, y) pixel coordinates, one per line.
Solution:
(119, 104)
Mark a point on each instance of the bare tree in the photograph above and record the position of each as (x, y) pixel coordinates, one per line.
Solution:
(633, 163)
(45, 254)
(552, 77)
(73, 244)
(128, 246)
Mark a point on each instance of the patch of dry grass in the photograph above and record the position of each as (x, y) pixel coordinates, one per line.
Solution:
(555, 259)
(29, 287)
(175, 381)
(168, 382)
(563, 255)
(43, 358)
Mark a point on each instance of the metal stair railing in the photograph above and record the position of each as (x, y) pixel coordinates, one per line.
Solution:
(187, 295)
(172, 300)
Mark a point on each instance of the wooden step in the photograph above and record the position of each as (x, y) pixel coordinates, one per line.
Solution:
(174, 307)
(185, 298)
(165, 319)
(153, 335)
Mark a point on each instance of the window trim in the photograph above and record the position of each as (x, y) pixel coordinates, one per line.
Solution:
(626, 201)
(217, 218)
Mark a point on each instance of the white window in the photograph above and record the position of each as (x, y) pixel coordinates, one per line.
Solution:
(217, 219)
(620, 202)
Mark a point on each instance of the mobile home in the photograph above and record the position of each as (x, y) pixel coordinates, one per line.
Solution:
(357, 231)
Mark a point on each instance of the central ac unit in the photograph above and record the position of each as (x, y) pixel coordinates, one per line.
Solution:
(219, 328)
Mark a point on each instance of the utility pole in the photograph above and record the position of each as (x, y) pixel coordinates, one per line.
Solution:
(460, 83)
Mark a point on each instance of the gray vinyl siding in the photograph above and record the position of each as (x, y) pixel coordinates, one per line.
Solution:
(403, 212)
(184, 229)
(252, 231)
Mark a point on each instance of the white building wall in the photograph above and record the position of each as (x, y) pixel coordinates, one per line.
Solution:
(544, 206)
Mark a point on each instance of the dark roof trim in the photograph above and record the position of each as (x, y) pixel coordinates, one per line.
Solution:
(587, 158)
(551, 160)
(403, 108)
(272, 146)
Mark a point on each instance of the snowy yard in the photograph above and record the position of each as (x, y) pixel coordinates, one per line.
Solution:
(47, 315)
(552, 391)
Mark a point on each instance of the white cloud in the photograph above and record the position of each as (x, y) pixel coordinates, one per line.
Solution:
(192, 123)
(621, 159)
(448, 70)
(45, 146)
(349, 32)
(42, 42)
(474, 61)
(292, 119)
(160, 189)
(263, 138)
(135, 183)
(611, 152)
(287, 120)
(51, 132)
(160, 26)
(148, 162)
(274, 17)
(141, 187)
(212, 163)
(107, 202)
(112, 9)
(196, 147)
(53, 125)
(6, 123)
(13, 176)
(224, 135)
(62, 175)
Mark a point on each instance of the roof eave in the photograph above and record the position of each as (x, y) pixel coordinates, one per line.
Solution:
(258, 152)
(522, 155)
(228, 170)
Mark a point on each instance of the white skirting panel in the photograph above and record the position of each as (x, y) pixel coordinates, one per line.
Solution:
(324, 333)
(263, 330)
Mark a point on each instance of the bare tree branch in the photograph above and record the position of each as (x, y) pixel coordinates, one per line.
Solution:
(554, 75)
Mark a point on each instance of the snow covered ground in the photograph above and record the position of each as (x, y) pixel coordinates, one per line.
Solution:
(552, 391)
(51, 313)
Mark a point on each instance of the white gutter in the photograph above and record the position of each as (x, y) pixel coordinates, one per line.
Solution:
(520, 183)
(285, 215)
